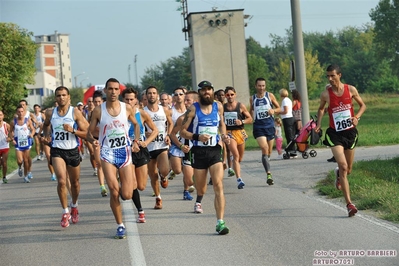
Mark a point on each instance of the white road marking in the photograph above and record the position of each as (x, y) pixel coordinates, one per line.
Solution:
(133, 237)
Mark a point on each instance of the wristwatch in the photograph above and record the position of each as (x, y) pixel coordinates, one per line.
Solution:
(74, 131)
(358, 118)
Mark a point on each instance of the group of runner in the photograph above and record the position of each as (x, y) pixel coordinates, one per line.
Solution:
(131, 140)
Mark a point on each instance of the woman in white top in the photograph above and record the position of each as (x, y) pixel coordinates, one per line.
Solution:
(288, 120)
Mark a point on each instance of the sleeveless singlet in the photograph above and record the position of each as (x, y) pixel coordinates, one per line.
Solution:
(340, 109)
(159, 118)
(60, 138)
(206, 124)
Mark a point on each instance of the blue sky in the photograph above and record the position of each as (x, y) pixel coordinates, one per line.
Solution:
(106, 35)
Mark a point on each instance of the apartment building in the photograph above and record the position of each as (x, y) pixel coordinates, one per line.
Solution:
(53, 66)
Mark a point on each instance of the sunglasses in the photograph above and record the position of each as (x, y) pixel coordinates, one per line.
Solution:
(179, 94)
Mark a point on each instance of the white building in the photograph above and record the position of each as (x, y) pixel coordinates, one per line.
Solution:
(45, 85)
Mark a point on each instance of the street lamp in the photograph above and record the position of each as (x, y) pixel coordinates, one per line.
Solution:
(76, 79)
(82, 81)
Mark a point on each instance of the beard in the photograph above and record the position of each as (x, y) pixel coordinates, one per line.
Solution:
(206, 101)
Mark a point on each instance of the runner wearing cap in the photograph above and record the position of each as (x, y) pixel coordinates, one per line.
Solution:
(201, 124)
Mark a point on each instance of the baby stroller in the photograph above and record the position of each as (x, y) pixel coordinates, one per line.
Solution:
(302, 140)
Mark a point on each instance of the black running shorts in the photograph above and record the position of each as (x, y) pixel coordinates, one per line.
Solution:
(204, 157)
(154, 154)
(346, 138)
(141, 157)
(71, 157)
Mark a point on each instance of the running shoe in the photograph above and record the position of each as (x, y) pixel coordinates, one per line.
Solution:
(198, 208)
(352, 210)
(191, 189)
(26, 179)
(164, 181)
(171, 175)
(75, 214)
(337, 182)
(210, 181)
(231, 172)
(269, 180)
(221, 228)
(141, 218)
(331, 160)
(5, 180)
(187, 196)
(120, 233)
(240, 183)
(153, 194)
(30, 176)
(20, 172)
(65, 219)
(95, 172)
(53, 178)
(103, 191)
(158, 203)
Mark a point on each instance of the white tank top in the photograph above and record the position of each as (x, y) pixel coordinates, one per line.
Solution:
(39, 119)
(21, 133)
(60, 138)
(114, 130)
(4, 144)
(159, 119)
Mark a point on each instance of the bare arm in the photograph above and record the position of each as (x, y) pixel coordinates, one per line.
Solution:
(46, 139)
(175, 130)
(132, 118)
(248, 117)
(324, 98)
(222, 125)
(362, 106)
(187, 120)
(31, 128)
(168, 114)
(251, 108)
(94, 120)
(82, 124)
(276, 110)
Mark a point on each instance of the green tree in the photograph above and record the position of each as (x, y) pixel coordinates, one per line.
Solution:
(17, 65)
(386, 20)
(257, 68)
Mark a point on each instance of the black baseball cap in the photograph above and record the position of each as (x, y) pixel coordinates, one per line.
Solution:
(204, 84)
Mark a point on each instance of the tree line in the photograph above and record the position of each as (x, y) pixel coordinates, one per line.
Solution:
(368, 56)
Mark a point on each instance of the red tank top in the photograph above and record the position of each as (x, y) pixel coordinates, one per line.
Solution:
(340, 110)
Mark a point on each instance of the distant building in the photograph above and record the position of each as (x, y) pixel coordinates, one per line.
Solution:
(53, 66)
(53, 57)
(44, 86)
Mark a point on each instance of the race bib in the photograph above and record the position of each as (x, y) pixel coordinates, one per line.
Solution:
(116, 138)
(23, 141)
(160, 137)
(262, 112)
(230, 118)
(342, 120)
(212, 131)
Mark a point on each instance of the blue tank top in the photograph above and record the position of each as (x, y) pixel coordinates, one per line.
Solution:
(131, 127)
(261, 107)
(206, 124)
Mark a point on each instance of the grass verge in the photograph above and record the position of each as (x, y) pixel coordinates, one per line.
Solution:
(374, 185)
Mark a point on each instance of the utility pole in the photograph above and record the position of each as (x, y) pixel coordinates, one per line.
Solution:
(128, 73)
(135, 69)
(299, 54)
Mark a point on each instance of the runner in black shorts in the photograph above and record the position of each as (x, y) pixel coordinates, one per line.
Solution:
(342, 134)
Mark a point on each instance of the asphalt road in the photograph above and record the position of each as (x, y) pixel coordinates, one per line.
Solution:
(284, 224)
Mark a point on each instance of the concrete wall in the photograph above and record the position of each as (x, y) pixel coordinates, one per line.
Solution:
(218, 52)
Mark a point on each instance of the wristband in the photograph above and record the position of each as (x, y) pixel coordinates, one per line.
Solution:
(181, 145)
(242, 121)
(74, 131)
(196, 137)
(358, 118)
